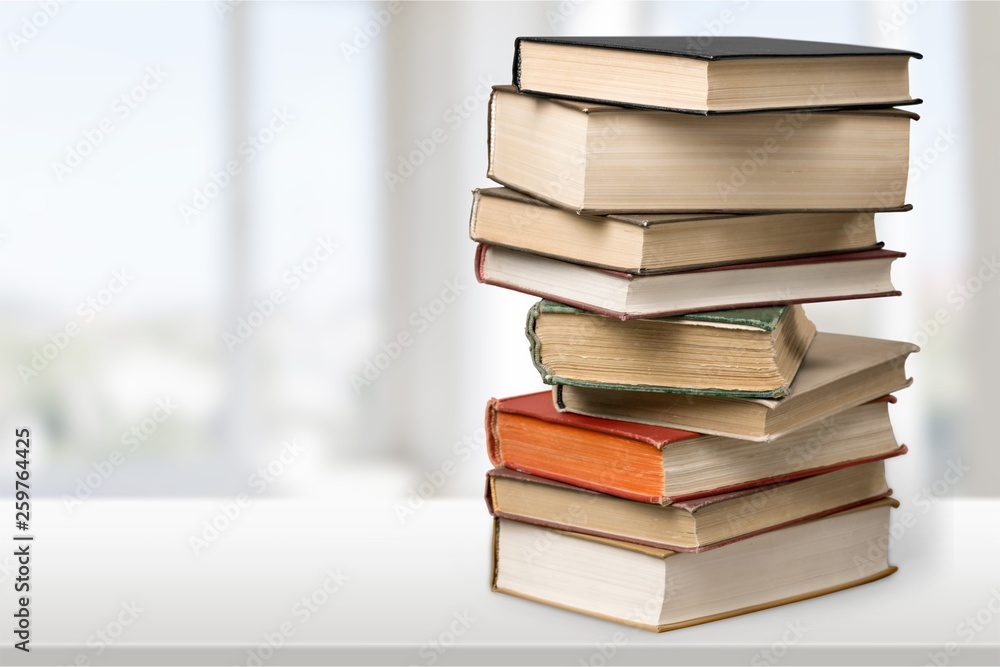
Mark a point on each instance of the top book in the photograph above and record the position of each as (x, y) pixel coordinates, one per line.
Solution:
(712, 75)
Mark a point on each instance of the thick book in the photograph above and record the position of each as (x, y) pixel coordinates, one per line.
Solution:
(658, 589)
(605, 159)
(663, 242)
(855, 275)
(751, 352)
(688, 526)
(655, 464)
(837, 373)
(712, 75)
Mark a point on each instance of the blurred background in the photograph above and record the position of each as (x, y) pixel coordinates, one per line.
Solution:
(218, 218)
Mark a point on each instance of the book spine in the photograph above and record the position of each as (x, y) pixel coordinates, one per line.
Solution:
(535, 345)
(491, 134)
(557, 398)
(479, 261)
(494, 552)
(489, 495)
(516, 67)
(492, 435)
(474, 214)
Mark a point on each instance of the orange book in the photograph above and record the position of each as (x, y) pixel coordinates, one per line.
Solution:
(656, 464)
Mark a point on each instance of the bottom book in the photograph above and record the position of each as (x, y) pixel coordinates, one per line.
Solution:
(658, 590)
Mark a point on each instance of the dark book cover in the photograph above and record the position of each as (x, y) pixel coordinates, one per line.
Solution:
(718, 48)
(721, 47)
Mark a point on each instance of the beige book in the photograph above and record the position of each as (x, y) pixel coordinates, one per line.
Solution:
(603, 159)
(690, 525)
(657, 589)
(838, 372)
(662, 242)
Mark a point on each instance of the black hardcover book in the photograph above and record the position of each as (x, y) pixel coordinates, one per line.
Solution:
(707, 75)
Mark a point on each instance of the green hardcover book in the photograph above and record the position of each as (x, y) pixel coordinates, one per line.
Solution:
(749, 352)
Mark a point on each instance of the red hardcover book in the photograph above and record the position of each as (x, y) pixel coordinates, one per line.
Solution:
(656, 464)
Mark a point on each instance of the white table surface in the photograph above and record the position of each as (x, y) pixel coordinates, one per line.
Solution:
(406, 582)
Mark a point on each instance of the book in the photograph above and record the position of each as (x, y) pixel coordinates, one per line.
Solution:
(752, 352)
(715, 75)
(688, 526)
(855, 275)
(837, 373)
(658, 589)
(656, 464)
(662, 242)
(606, 159)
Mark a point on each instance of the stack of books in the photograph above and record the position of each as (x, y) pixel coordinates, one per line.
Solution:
(703, 452)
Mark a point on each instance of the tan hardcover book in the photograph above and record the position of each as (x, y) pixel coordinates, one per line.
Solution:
(663, 242)
(691, 525)
(603, 159)
(837, 373)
